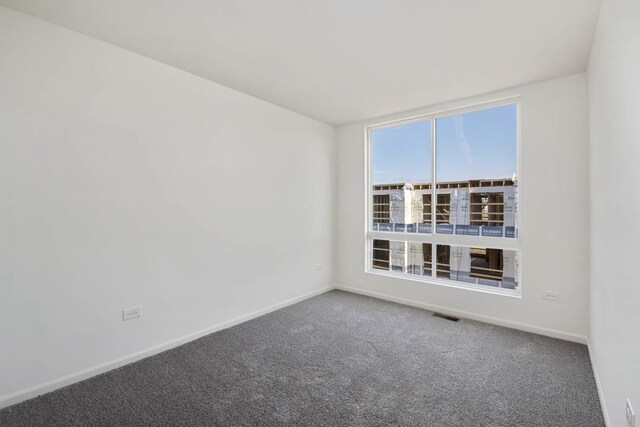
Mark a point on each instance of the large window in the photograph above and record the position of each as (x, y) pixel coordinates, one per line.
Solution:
(443, 198)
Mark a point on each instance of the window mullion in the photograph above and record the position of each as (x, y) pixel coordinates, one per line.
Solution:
(434, 198)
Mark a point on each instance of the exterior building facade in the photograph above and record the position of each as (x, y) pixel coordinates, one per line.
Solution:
(471, 208)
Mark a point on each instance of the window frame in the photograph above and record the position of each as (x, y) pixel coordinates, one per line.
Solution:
(504, 243)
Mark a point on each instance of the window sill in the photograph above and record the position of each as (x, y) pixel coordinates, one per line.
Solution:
(448, 283)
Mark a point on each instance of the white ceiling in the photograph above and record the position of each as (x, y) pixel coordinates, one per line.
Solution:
(341, 61)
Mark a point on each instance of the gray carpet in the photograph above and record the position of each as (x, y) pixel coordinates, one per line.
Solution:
(339, 359)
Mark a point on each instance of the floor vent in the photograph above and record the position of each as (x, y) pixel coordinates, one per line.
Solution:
(446, 317)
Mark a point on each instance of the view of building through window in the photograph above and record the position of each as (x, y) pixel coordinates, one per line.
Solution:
(472, 180)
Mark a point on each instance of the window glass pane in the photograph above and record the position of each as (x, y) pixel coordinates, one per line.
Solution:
(402, 257)
(483, 266)
(476, 168)
(401, 175)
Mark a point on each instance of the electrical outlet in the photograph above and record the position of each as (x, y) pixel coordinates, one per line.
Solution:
(631, 417)
(131, 313)
(551, 296)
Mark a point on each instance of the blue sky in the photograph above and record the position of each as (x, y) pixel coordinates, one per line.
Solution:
(479, 144)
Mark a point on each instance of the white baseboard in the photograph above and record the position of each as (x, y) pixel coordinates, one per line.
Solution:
(31, 392)
(603, 404)
(472, 316)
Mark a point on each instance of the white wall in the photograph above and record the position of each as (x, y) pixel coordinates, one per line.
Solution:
(124, 181)
(554, 221)
(614, 99)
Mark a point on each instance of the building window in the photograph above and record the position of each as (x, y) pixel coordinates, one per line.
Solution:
(381, 254)
(465, 162)
(381, 208)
